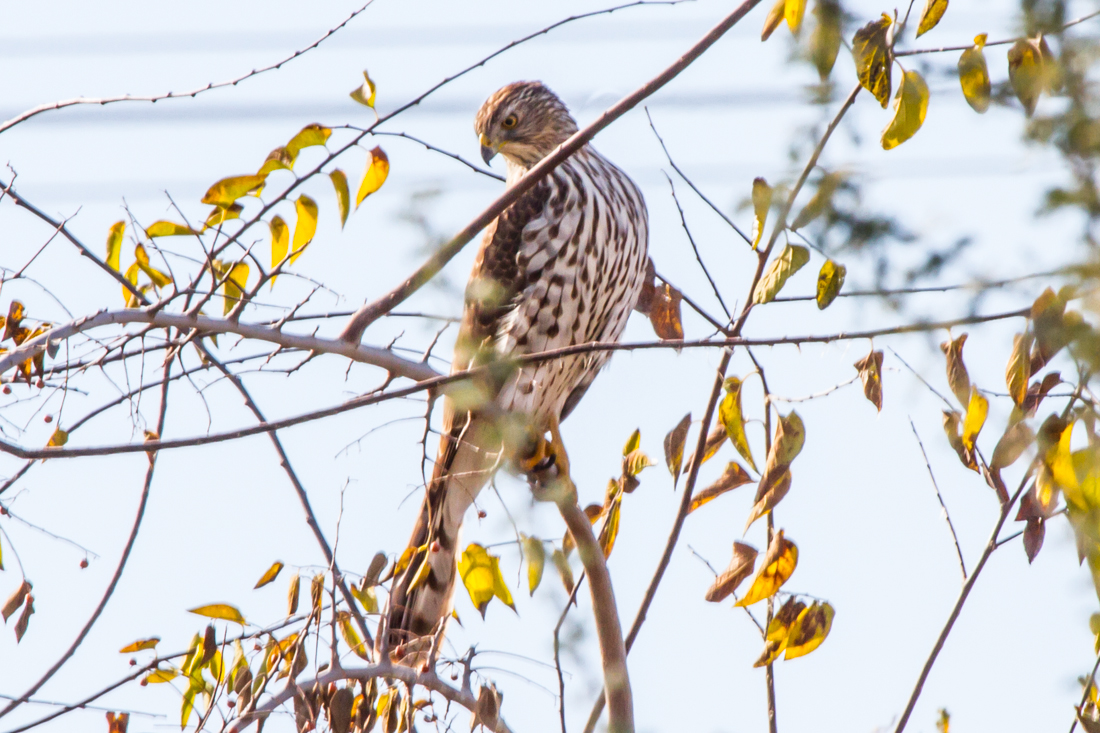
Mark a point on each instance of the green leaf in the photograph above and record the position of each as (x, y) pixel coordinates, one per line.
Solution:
(829, 282)
(219, 610)
(780, 269)
(114, 244)
(305, 227)
(343, 198)
(308, 136)
(872, 57)
(269, 575)
(377, 170)
(227, 190)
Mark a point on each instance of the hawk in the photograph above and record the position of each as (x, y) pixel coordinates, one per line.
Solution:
(563, 265)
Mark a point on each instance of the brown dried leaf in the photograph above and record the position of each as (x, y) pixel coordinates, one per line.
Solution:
(292, 594)
(775, 17)
(952, 421)
(779, 563)
(24, 619)
(664, 313)
(740, 567)
(957, 376)
(1033, 537)
(773, 487)
(674, 448)
(870, 371)
(1012, 444)
(731, 478)
(15, 600)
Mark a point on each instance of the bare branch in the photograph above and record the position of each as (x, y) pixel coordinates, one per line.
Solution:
(1004, 42)
(936, 486)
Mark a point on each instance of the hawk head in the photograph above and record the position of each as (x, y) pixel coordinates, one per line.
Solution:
(524, 122)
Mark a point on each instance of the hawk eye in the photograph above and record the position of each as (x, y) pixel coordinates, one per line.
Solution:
(509, 122)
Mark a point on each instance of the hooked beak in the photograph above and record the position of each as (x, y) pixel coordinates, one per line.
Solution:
(488, 152)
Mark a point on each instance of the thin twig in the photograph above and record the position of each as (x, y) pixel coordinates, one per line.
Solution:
(936, 486)
(695, 249)
(1006, 41)
(1085, 694)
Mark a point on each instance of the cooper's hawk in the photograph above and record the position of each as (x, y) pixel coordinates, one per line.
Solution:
(562, 265)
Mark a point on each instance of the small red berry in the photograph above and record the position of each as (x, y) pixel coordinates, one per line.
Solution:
(481, 514)
(7, 389)
(133, 662)
(84, 564)
(436, 547)
(48, 419)
(40, 383)
(3, 511)
(230, 704)
(143, 682)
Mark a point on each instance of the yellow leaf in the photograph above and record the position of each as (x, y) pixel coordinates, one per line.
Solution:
(317, 591)
(280, 242)
(793, 11)
(308, 136)
(775, 638)
(929, 17)
(610, 529)
(132, 277)
(773, 486)
(674, 447)
(536, 561)
(159, 278)
(974, 76)
(1018, 371)
(951, 423)
(762, 196)
(829, 282)
(779, 563)
(377, 170)
(217, 666)
(561, 562)
(114, 245)
(1025, 72)
(278, 159)
(957, 376)
(825, 40)
(421, 575)
(730, 479)
(227, 190)
(732, 419)
(633, 442)
(219, 610)
(480, 573)
(810, 629)
(158, 676)
(234, 285)
(140, 645)
(826, 187)
(366, 597)
(790, 436)
(780, 269)
(343, 198)
(305, 227)
(164, 228)
(634, 464)
(351, 635)
(943, 721)
(775, 17)
(292, 594)
(222, 214)
(871, 54)
(365, 94)
(59, 438)
(870, 371)
(740, 567)
(976, 411)
(269, 575)
(910, 106)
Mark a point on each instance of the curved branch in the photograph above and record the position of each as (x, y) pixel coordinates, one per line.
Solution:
(23, 117)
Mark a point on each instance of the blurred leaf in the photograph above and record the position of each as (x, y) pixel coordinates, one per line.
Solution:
(220, 215)
(974, 76)
(793, 11)
(292, 594)
(158, 676)
(1034, 532)
(280, 242)
(317, 592)
(762, 192)
(740, 567)
(234, 285)
(777, 633)
(733, 420)
(219, 610)
(872, 56)
(809, 630)
(536, 561)
(957, 376)
(308, 136)
(731, 478)
(114, 244)
(826, 38)
(930, 16)
(117, 723)
(365, 94)
(164, 228)
(775, 17)
(779, 563)
(610, 529)
(340, 708)
(305, 227)
(821, 199)
(633, 465)
(269, 575)
(487, 711)
(159, 278)
(910, 107)
(59, 438)
(351, 636)
(1025, 72)
(1012, 444)
(664, 313)
(480, 573)
(829, 282)
(780, 269)
(870, 371)
(140, 645)
(1017, 373)
(952, 421)
(674, 447)
(343, 198)
(227, 190)
(374, 571)
(943, 721)
(633, 442)
(24, 619)
(377, 170)
(15, 600)
(278, 159)
(561, 562)
(366, 597)
(187, 706)
(773, 486)
(975, 418)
